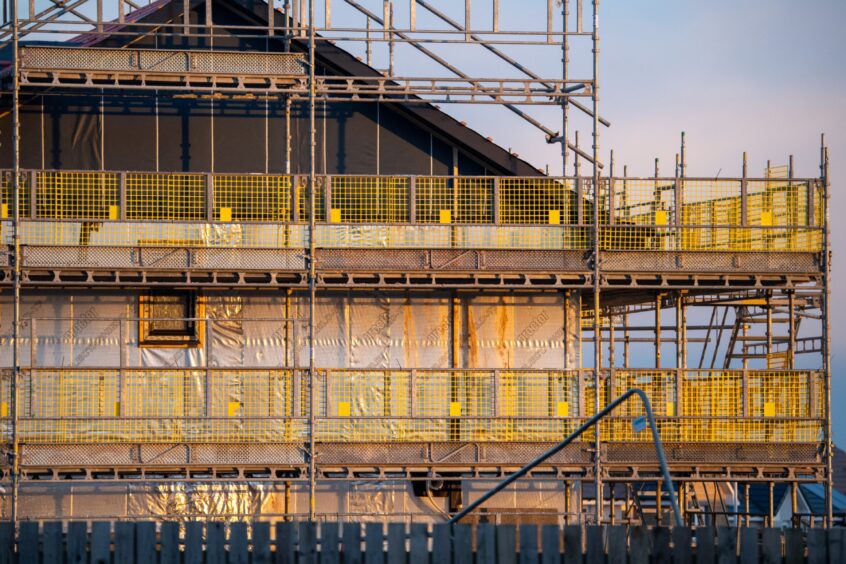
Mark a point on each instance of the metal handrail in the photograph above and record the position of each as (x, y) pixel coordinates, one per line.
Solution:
(656, 437)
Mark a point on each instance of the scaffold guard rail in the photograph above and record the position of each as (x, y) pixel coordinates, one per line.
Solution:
(118, 209)
(268, 405)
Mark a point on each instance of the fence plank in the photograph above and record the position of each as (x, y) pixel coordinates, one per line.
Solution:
(6, 533)
(682, 546)
(836, 546)
(528, 544)
(261, 543)
(573, 545)
(101, 540)
(308, 543)
(550, 544)
(52, 542)
(749, 553)
(705, 545)
(238, 550)
(285, 539)
(727, 544)
(352, 543)
(506, 545)
(794, 548)
(125, 543)
(215, 538)
(595, 544)
(374, 543)
(771, 546)
(817, 546)
(28, 547)
(639, 541)
(462, 544)
(420, 544)
(661, 553)
(169, 539)
(441, 543)
(617, 547)
(77, 539)
(145, 543)
(193, 542)
(329, 551)
(396, 543)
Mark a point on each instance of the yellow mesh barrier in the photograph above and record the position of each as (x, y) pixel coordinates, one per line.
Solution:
(7, 194)
(178, 197)
(72, 195)
(252, 198)
(448, 212)
(369, 199)
(268, 405)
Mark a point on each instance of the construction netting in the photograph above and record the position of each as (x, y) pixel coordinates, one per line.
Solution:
(395, 212)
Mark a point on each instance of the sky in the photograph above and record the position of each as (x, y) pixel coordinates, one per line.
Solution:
(762, 76)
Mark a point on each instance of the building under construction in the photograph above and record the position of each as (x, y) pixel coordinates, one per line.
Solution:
(245, 272)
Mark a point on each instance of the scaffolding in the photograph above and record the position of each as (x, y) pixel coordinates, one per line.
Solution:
(756, 251)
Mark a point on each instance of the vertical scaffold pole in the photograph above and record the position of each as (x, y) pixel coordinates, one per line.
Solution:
(826, 327)
(597, 333)
(312, 274)
(16, 274)
(565, 107)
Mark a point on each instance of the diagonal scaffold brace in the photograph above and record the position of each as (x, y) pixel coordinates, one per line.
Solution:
(656, 438)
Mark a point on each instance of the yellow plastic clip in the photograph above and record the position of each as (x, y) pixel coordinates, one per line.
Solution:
(555, 217)
(455, 409)
(234, 408)
(769, 409)
(767, 218)
(343, 409)
(334, 215)
(446, 216)
(660, 217)
(225, 214)
(562, 409)
(4, 211)
(114, 213)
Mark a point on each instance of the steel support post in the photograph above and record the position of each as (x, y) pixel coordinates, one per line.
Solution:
(312, 273)
(565, 106)
(826, 327)
(597, 322)
(16, 272)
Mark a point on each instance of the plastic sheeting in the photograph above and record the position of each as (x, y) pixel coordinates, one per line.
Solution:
(387, 330)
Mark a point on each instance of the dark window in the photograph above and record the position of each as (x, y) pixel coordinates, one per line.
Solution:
(169, 319)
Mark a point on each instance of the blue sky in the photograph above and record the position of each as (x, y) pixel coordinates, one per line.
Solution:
(762, 76)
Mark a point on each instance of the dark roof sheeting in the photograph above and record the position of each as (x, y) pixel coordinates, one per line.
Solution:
(345, 63)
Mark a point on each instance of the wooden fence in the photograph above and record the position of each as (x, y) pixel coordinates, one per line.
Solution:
(372, 543)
